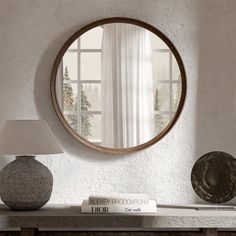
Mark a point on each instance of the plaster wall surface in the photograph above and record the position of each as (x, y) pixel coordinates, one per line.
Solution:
(203, 31)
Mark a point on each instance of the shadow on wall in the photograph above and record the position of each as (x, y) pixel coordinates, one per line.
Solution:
(216, 92)
(5, 159)
(44, 106)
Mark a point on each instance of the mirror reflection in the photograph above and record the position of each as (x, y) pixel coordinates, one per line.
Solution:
(118, 85)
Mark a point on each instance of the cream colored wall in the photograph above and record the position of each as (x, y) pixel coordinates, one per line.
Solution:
(31, 34)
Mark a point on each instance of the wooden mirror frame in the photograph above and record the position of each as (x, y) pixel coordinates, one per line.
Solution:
(78, 34)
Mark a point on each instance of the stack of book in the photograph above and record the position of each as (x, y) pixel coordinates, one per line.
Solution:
(118, 203)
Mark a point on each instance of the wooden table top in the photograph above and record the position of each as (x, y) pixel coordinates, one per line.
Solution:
(70, 216)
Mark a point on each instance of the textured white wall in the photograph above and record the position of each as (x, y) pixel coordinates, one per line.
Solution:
(31, 34)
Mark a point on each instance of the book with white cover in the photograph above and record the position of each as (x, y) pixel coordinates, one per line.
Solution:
(124, 209)
(118, 199)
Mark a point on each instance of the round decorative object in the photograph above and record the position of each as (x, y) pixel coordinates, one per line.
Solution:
(25, 184)
(118, 85)
(213, 177)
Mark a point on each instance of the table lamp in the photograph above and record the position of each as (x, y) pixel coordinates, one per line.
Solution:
(25, 183)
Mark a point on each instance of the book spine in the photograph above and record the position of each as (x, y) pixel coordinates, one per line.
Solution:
(119, 199)
(119, 195)
(104, 209)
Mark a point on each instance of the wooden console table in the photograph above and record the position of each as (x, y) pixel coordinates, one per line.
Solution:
(53, 219)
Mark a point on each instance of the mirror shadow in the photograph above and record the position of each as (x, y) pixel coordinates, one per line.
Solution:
(4, 159)
(216, 92)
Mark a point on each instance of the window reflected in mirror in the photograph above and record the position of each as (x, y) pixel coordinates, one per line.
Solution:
(118, 85)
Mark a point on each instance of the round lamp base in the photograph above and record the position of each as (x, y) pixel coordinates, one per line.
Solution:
(25, 184)
(25, 206)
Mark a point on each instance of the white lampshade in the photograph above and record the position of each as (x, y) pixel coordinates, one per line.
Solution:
(27, 137)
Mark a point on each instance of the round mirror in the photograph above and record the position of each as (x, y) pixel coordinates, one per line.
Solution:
(118, 85)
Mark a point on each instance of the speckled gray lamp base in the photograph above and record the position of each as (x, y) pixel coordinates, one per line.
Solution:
(25, 184)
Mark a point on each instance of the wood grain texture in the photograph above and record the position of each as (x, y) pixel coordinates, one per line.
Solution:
(226, 233)
(160, 233)
(156, 233)
(10, 233)
(28, 231)
(210, 232)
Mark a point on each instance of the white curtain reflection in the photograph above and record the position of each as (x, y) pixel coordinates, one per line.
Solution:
(127, 86)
